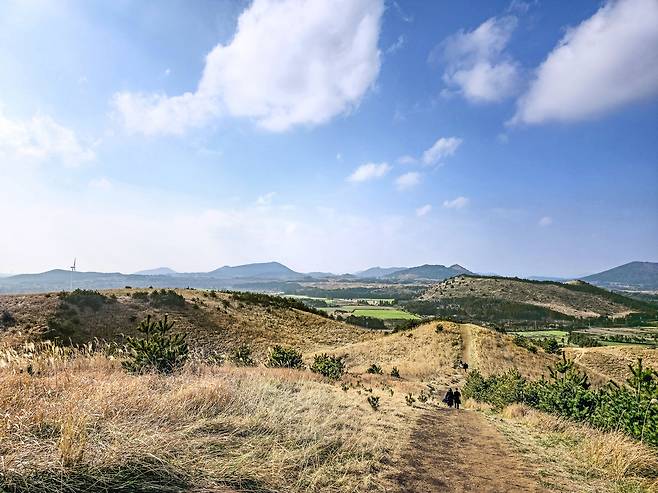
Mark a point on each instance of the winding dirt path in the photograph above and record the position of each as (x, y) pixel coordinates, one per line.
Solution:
(459, 451)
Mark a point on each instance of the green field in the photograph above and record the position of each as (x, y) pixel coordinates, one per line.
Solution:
(385, 314)
(539, 334)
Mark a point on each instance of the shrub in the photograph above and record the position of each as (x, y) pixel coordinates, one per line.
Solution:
(395, 373)
(367, 322)
(282, 357)
(438, 329)
(166, 298)
(85, 298)
(550, 345)
(375, 369)
(374, 402)
(332, 367)
(524, 342)
(409, 399)
(241, 356)
(158, 351)
(7, 319)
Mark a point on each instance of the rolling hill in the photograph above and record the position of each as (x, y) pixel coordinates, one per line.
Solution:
(634, 276)
(574, 299)
(159, 271)
(376, 272)
(428, 272)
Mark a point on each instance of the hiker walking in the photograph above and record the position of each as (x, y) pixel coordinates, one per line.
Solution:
(457, 398)
(449, 398)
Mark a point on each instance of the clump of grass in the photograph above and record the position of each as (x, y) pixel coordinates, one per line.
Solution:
(395, 373)
(375, 369)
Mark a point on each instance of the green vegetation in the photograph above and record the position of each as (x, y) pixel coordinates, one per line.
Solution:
(375, 369)
(367, 322)
(374, 402)
(7, 319)
(332, 367)
(84, 298)
(582, 340)
(166, 298)
(270, 301)
(385, 314)
(159, 350)
(632, 408)
(241, 356)
(282, 357)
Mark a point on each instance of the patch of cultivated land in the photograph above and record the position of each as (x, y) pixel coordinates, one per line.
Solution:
(569, 300)
(74, 420)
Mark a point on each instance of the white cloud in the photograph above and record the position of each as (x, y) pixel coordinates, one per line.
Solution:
(609, 60)
(265, 199)
(40, 139)
(101, 183)
(443, 147)
(407, 180)
(407, 160)
(476, 63)
(545, 221)
(290, 62)
(369, 171)
(458, 203)
(424, 210)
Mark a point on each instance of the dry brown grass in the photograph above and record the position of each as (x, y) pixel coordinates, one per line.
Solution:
(218, 323)
(420, 354)
(496, 353)
(576, 457)
(611, 362)
(79, 423)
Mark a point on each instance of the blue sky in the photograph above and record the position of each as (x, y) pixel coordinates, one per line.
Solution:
(517, 138)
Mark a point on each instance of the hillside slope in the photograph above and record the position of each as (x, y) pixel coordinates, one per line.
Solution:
(431, 272)
(216, 322)
(641, 276)
(575, 300)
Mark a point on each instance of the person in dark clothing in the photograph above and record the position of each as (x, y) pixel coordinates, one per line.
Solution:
(456, 398)
(449, 398)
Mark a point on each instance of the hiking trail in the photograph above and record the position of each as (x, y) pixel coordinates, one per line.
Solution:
(460, 451)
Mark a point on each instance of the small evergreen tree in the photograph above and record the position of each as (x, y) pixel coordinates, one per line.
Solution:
(282, 357)
(158, 351)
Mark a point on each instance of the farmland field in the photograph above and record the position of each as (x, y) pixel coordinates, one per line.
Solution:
(538, 334)
(385, 314)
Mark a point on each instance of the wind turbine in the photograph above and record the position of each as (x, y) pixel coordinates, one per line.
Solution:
(72, 271)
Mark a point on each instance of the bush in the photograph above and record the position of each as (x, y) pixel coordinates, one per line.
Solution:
(374, 402)
(550, 345)
(367, 322)
(281, 357)
(524, 342)
(241, 356)
(7, 319)
(632, 408)
(409, 399)
(332, 367)
(85, 298)
(166, 298)
(395, 373)
(159, 351)
(375, 369)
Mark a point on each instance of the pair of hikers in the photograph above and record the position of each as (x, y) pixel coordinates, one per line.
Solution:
(453, 398)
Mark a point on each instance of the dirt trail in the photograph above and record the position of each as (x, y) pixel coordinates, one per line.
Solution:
(459, 451)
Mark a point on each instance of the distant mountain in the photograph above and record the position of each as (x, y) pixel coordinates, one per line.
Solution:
(634, 276)
(265, 270)
(160, 271)
(375, 272)
(431, 272)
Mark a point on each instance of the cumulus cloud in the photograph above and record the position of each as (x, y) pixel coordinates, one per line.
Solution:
(477, 66)
(290, 62)
(546, 221)
(407, 160)
(424, 210)
(443, 147)
(369, 171)
(40, 139)
(458, 203)
(608, 60)
(407, 180)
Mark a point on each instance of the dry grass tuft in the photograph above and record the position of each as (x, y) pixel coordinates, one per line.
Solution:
(515, 411)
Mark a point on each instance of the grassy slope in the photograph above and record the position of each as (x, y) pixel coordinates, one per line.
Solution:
(570, 299)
